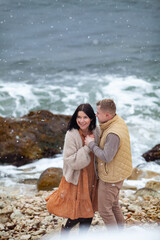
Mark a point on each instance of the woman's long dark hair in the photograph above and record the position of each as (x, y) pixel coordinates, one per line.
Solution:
(88, 110)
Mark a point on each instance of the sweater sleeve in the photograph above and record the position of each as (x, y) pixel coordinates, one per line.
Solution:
(110, 148)
(74, 154)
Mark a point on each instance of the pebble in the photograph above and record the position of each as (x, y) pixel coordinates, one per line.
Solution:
(25, 237)
(26, 218)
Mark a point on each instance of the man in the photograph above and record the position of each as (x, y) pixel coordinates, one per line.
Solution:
(114, 162)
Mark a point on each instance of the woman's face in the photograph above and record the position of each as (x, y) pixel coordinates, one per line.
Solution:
(83, 121)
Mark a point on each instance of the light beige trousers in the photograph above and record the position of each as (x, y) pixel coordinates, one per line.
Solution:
(108, 203)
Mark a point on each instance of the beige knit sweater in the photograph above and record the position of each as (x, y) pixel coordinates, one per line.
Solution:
(75, 155)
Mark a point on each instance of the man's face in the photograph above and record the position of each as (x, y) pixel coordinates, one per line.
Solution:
(101, 115)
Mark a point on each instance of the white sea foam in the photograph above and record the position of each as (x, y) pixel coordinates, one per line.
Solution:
(20, 98)
(41, 165)
(32, 170)
(130, 94)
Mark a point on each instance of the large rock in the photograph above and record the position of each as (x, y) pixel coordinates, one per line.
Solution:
(153, 154)
(37, 135)
(138, 174)
(153, 185)
(145, 192)
(49, 179)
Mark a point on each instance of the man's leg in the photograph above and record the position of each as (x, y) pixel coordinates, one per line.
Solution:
(107, 203)
(116, 207)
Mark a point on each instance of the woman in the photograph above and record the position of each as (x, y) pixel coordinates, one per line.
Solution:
(76, 197)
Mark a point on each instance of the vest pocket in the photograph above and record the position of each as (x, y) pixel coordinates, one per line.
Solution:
(106, 168)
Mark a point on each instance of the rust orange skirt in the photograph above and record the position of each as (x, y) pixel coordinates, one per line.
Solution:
(75, 201)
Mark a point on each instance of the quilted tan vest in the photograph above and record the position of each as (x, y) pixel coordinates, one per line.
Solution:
(120, 167)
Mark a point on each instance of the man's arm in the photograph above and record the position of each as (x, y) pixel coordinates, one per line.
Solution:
(110, 148)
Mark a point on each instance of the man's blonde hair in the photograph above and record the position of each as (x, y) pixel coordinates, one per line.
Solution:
(107, 105)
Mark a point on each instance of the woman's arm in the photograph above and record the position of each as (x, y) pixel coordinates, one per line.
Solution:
(74, 153)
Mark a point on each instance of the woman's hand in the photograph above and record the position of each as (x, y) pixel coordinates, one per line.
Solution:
(88, 139)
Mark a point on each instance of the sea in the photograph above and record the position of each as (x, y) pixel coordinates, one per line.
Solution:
(57, 54)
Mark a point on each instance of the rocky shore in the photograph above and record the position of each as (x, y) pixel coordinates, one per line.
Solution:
(26, 218)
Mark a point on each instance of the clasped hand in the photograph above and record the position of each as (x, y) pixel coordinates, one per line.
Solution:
(88, 139)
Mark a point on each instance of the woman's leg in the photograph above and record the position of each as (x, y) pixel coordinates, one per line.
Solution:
(70, 224)
(85, 223)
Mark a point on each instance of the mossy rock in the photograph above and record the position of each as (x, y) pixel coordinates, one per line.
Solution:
(34, 136)
(49, 179)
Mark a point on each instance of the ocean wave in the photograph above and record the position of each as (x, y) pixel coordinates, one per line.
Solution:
(137, 101)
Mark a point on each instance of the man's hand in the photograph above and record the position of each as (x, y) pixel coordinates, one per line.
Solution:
(88, 139)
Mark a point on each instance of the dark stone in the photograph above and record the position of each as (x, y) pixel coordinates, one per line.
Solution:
(49, 179)
(34, 136)
(153, 154)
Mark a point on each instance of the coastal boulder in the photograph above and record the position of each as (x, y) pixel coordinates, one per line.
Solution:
(49, 179)
(155, 185)
(145, 192)
(138, 174)
(153, 154)
(34, 136)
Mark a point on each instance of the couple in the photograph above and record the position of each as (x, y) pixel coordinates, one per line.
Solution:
(96, 162)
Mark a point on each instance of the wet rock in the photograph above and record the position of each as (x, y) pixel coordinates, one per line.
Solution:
(145, 192)
(154, 185)
(36, 135)
(49, 179)
(153, 154)
(138, 174)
